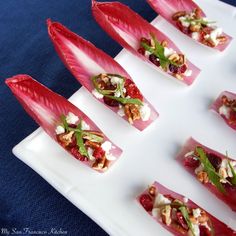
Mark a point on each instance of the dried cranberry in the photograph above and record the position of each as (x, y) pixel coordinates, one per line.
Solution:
(132, 90)
(110, 102)
(191, 162)
(181, 220)
(146, 41)
(98, 153)
(154, 60)
(141, 51)
(75, 152)
(182, 68)
(232, 116)
(214, 160)
(204, 231)
(73, 142)
(146, 202)
(173, 69)
(72, 126)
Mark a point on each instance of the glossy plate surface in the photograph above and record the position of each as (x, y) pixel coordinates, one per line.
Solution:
(110, 198)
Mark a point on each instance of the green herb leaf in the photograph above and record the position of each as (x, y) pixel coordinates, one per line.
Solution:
(80, 142)
(233, 179)
(199, 21)
(126, 100)
(92, 137)
(64, 122)
(185, 214)
(209, 168)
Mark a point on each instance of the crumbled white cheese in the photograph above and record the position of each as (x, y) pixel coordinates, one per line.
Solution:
(183, 21)
(97, 94)
(116, 80)
(60, 129)
(106, 146)
(124, 90)
(185, 199)
(90, 154)
(214, 34)
(156, 212)
(196, 230)
(110, 157)
(188, 73)
(147, 53)
(161, 200)
(84, 125)
(195, 36)
(225, 165)
(117, 94)
(145, 112)
(189, 154)
(71, 118)
(196, 212)
(199, 168)
(121, 111)
(168, 51)
(224, 110)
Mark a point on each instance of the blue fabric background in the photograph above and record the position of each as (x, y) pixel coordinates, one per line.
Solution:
(27, 200)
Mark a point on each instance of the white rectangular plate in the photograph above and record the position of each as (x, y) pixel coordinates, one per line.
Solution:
(109, 199)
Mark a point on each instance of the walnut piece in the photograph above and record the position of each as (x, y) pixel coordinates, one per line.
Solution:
(202, 177)
(132, 112)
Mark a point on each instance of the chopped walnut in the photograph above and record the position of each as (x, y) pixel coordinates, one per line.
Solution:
(132, 112)
(91, 144)
(65, 138)
(222, 39)
(99, 163)
(202, 177)
(152, 190)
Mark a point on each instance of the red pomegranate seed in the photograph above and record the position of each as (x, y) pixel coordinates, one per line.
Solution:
(75, 152)
(98, 153)
(132, 90)
(232, 116)
(141, 51)
(191, 162)
(181, 220)
(183, 68)
(146, 202)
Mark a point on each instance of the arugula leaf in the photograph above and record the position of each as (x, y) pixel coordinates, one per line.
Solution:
(64, 122)
(93, 137)
(82, 149)
(233, 180)
(209, 168)
(126, 100)
(201, 21)
(185, 214)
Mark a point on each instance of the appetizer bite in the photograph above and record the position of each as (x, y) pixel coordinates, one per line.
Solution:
(225, 106)
(102, 76)
(215, 171)
(65, 123)
(143, 40)
(180, 215)
(190, 19)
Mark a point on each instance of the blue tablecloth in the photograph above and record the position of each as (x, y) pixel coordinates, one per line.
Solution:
(27, 200)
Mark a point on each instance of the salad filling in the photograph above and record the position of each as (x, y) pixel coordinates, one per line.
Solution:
(212, 169)
(176, 213)
(163, 57)
(75, 135)
(228, 109)
(121, 93)
(199, 27)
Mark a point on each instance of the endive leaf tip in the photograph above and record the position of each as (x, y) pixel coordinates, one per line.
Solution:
(16, 78)
(49, 22)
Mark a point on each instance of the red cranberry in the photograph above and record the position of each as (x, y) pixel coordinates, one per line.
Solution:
(146, 41)
(232, 116)
(72, 126)
(154, 60)
(110, 102)
(204, 231)
(183, 68)
(132, 90)
(141, 51)
(173, 69)
(98, 153)
(181, 220)
(75, 152)
(214, 160)
(191, 162)
(146, 202)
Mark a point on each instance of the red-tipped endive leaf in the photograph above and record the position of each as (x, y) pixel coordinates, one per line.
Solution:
(219, 227)
(166, 8)
(218, 104)
(84, 61)
(127, 28)
(47, 107)
(230, 197)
